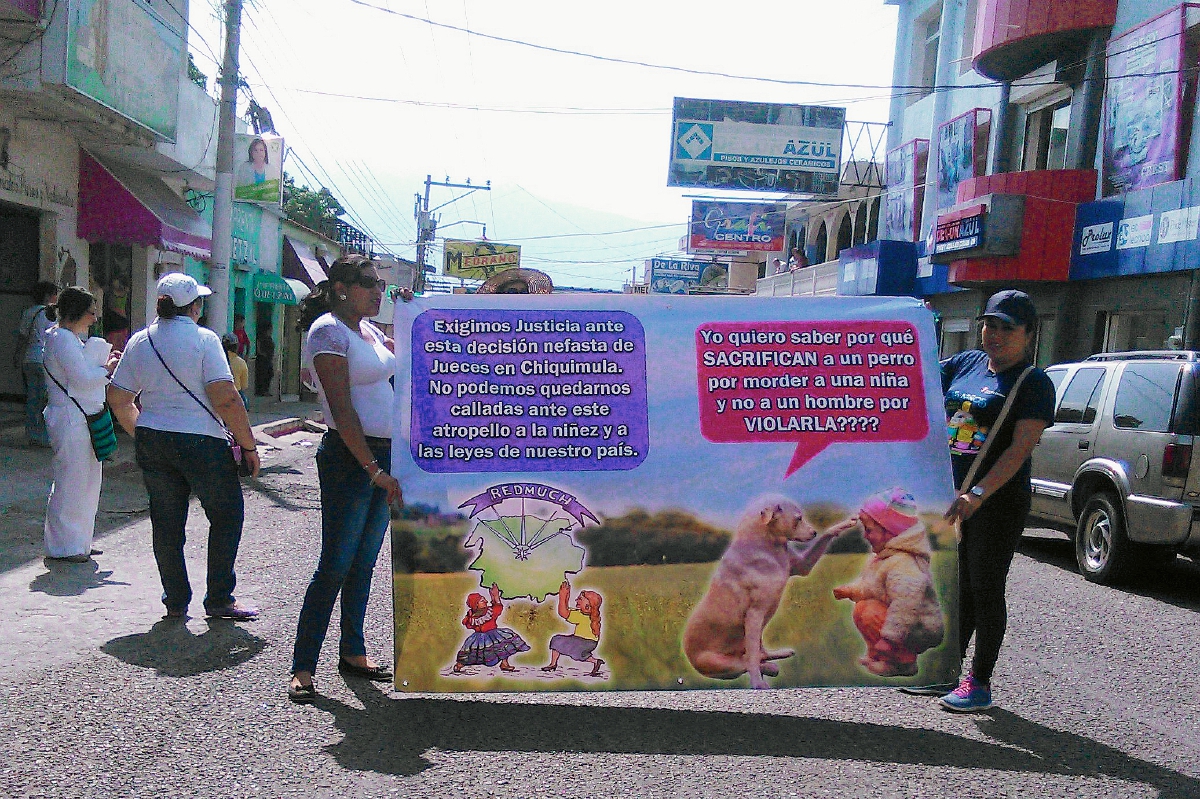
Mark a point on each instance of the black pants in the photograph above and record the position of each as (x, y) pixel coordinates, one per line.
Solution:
(989, 541)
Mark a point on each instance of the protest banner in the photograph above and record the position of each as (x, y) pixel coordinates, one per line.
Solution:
(642, 493)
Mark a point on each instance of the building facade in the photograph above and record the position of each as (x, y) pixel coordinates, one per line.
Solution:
(1060, 158)
(102, 136)
(1040, 145)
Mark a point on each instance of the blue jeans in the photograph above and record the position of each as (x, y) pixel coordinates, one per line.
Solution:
(175, 466)
(35, 403)
(354, 520)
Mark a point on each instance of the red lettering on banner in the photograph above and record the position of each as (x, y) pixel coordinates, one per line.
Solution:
(812, 383)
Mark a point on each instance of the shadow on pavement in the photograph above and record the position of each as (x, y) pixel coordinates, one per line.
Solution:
(71, 579)
(173, 650)
(390, 735)
(1176, 582)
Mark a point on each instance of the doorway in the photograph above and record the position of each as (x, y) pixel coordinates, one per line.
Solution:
(20, 236)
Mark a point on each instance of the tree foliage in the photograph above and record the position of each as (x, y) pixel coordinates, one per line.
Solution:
(641, 538)
(316, 210)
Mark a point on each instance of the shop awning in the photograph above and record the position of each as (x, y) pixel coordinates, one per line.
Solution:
(298, 288)
(300, 263)
(121, 205)
(268, 287)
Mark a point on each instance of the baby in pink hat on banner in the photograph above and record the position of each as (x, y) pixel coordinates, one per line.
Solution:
(896, 606)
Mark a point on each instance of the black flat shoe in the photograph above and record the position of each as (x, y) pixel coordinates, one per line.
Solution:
(377, 673)
(302, 694)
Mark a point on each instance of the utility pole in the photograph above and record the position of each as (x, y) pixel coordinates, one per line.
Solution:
(222, 241)
(427, 222)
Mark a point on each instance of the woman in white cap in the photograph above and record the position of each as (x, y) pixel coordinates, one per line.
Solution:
(993, 504)
(188, 401)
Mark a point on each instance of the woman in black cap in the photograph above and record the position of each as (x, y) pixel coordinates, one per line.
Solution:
(995, 494)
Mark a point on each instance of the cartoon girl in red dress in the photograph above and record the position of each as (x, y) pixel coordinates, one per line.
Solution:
(488, 643)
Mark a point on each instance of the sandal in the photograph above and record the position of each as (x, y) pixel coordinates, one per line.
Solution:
(377, 673)
(302, 694)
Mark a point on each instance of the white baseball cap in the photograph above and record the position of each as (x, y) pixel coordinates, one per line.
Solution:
(182, 289)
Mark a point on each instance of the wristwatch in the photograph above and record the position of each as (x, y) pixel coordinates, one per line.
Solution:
(976, 491)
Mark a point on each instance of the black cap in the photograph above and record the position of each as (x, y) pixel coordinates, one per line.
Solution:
(1013, 307)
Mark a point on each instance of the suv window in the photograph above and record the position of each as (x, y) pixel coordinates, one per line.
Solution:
(1056, 376)
(1081, 398)
(1145, 397)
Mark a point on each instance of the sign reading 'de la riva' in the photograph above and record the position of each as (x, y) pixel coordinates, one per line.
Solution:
(643, 493)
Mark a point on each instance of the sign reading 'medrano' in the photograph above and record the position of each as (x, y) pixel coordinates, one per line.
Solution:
(627, 493)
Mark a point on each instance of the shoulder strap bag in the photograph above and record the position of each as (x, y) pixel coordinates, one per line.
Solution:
(991, 437)
(234, 447)
(100, 425)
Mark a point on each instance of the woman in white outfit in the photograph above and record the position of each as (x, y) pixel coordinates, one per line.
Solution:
(75, 492)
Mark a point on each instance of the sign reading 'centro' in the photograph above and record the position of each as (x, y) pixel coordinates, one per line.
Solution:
(961, 234)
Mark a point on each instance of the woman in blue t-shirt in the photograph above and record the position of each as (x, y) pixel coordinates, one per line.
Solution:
(992, 509)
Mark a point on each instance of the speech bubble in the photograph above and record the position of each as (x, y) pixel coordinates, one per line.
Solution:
(814, 383)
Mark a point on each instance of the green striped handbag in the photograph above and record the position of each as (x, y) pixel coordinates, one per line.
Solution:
(100, 425)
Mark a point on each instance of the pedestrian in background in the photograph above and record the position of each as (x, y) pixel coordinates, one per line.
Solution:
(264, 359)
(239, 332)
(241, 372)
(995, 495)
(78, 373)
(179, 372)
(28, 352)
(353, 364)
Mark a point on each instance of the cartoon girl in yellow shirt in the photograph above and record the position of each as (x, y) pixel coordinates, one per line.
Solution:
(581, 644)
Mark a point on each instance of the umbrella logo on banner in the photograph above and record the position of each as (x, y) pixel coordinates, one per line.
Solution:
(525, 553)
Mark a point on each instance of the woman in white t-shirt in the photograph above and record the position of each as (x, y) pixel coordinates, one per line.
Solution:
(186, 401)
(352, 364)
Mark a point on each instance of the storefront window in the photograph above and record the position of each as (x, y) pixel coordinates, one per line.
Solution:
(111, 268)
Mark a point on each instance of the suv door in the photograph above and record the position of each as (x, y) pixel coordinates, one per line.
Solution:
(1067, 443)
(1141, 427)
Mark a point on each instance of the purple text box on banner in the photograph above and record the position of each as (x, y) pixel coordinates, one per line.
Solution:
(528, 391)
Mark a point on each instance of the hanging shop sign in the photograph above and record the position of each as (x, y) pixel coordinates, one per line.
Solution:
(478, 260)
(123, 55)
(959, 234)
(988, 226)
(272, 288)
(259, 178)
(905, 197)
(725, 228)
(674, 275)
(1142, 101)
(606, 492)
(962, 152)
(762, 147)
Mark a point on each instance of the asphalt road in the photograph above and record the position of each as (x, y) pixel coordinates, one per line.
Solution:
(101, 698)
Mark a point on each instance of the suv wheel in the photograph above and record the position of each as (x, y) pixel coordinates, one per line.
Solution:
(1101, 548)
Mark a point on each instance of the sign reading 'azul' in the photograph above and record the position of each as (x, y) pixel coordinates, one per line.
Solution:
(961, 234)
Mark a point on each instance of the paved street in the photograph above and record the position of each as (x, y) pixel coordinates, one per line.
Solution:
(102, 698)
